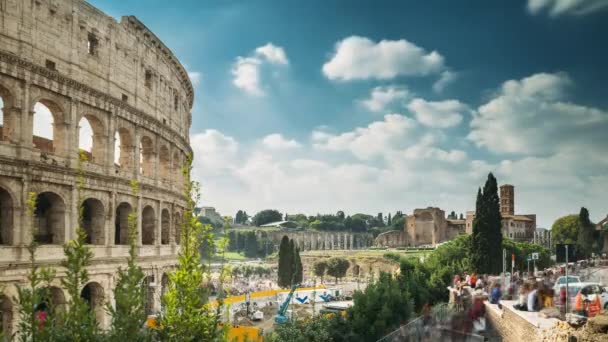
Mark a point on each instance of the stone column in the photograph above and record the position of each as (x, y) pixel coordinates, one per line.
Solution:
(158, 226)
(333, 241)
(137, 154)
(138, 201)
(352, 241)
(111, 144)
(110, 224)
(26, 220)
(27, 121)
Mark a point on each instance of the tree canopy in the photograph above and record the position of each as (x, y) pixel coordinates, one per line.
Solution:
(267, 216)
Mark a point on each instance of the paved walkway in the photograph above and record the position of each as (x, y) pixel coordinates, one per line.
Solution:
(532, 317)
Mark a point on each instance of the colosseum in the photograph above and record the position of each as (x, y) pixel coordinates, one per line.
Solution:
(73, 78)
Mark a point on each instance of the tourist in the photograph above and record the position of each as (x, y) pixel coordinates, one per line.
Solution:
(467, 278)
(479, 282)
(533, 298)
(473, 280)
(456, 280)
(495, 294)
(521, 305)
(562, 298)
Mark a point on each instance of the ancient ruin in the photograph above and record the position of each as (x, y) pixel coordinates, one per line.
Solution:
(64, 66)
(429, 226)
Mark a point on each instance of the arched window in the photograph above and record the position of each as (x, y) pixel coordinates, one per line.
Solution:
(6, 218)
(121, 224)
(147, 226)
(165, 163)
(49, 219)
(148, 284)
(176, 169)
(93, 295)
(91, 138)
(164, 229)
(123, 149)
(48, 129)
(93, 221)
(177, 227)
(146, 156)
(6, 314)
(8, 120)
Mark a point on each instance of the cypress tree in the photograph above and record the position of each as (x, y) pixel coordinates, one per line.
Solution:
(585, 233)
(486, 240)
(292, 262)
(284, 272)
(494, 228)
(299, 274)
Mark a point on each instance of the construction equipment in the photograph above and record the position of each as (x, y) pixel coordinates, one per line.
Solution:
(281, 318)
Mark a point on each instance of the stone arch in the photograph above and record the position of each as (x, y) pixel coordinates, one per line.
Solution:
(165, 219)
(121, 224)
(164, 285)
(49, 219)
(6, 217)
(6, 315)
(91, 138)
(8, 119)
(148, 222)
(93, 221)
(93, 295)
(176, 168)
(177, 225)
(165, 162)
(148, 284)
(49, 131)
(146, 156)
(123, 148)
(56, 299)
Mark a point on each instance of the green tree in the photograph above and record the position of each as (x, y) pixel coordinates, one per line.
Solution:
(337, 267)
(36, 296)
(586, 241)
(251, 245)
(389, 220)
(186, 315)
(379, 309)
(485, 257)
(77, 321)
(566, 229)
(129, 313)
(238, 218)
(285, 263)
(320, 268)
(267, 216)
(340, 215)
(298, 270)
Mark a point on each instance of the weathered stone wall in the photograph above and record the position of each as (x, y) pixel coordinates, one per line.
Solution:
(129, 84)
(510, 326)
(391, 239)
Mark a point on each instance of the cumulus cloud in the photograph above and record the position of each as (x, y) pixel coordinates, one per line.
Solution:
(446, 78)
(381, 97)
(438, 114)
(214, 152)
(276, 141)
(195, 78)
(246, 71)
(361, 58)
(556, 8)
(273, 54)
(368, 142)
(532, 116)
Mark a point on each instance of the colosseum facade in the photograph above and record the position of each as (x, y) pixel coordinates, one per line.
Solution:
(66, 66)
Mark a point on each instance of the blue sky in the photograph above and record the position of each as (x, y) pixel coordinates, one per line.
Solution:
(319, 106)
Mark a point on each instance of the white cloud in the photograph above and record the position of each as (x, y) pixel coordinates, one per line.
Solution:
(556, 8)
(438, 114)
(274, 54)
(531, 116)
(276, 141)
(195, 78)
(214, 152)
(361, 58)
(381, 97)
(446, 78)
(247, 70)
(367, 142)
